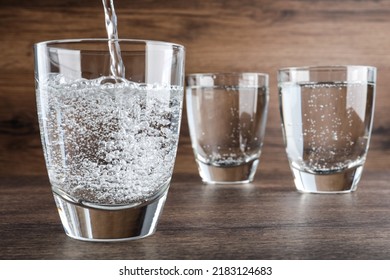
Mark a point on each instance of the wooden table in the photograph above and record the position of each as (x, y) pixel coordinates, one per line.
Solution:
(264, 220)
(267, 219)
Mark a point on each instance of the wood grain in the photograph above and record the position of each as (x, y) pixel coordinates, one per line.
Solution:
(264, 220)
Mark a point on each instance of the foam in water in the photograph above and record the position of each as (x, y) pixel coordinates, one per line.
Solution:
(108, 143)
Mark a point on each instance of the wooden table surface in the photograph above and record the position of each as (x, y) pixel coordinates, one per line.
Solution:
(267, 219)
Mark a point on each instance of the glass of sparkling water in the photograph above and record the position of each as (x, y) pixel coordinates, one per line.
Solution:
(327, 114)
(227, 115)
(109, 142)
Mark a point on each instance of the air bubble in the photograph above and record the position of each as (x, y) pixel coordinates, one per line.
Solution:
(120, 133)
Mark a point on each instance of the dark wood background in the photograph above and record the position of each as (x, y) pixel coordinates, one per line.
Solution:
(266, 219)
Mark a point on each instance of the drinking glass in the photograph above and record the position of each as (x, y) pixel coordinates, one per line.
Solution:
(327, 114)
(109, 142)
(227, 115)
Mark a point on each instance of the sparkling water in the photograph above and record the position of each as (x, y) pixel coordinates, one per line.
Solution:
(108, 143)
(227, 123)
(327, 125)
(117, 68)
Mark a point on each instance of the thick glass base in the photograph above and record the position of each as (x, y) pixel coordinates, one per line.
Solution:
(341, 182)
(239, 174)
(107, 223)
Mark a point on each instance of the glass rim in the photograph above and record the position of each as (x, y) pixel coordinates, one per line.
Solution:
(226, 74)
(325, 67)
(101, 40)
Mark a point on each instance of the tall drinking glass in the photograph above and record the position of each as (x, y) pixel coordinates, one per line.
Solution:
(327, 114)
(109, 142)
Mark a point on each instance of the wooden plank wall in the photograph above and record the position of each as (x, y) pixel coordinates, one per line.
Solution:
(219, 36)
